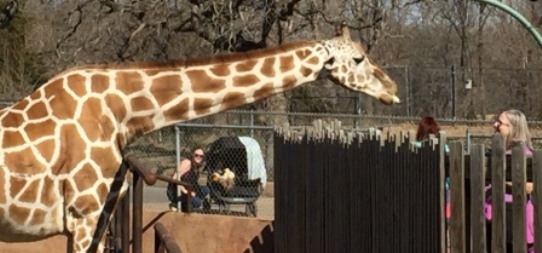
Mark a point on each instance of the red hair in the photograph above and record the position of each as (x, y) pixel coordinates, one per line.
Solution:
(428, 125)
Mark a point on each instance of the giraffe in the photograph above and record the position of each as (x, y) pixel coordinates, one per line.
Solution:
(62, 144)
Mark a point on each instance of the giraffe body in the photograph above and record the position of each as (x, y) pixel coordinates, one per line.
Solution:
(62, 145)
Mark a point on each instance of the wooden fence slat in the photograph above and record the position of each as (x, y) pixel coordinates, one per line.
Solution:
(442, 202)
(457, 198)
(498, 167)
(519, 197)
(537, 197)
(478, 224)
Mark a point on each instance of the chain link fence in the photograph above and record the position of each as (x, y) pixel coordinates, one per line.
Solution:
(238, 141)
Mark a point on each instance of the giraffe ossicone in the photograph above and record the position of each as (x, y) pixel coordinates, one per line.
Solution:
(61, 146)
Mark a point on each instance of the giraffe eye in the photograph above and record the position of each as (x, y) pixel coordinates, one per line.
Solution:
(359, 60)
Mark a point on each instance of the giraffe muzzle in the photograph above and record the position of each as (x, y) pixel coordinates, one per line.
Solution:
(389, 99)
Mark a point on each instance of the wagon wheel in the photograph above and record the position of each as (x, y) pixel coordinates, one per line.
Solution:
(251, 209)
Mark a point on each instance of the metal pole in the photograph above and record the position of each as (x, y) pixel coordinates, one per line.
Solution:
(251, 123)
(517, 16)
(137, 202)
(178, 159)
(407, 83)
(453, 78)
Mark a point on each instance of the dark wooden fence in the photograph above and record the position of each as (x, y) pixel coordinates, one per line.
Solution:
(343, 190)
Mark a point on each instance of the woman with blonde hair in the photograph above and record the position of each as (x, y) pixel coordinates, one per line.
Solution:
(512, 125)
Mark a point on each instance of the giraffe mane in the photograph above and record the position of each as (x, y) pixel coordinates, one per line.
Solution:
(200, 61)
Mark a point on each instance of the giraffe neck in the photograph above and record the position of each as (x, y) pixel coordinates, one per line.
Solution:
(180, 93)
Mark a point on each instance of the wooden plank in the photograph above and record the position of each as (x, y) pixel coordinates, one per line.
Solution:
(498, 240)
(478, 221)
(537, 197)
(519, 197)
(457, 198)
(442, 203)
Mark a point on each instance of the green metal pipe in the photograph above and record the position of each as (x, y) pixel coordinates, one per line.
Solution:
(517, 16)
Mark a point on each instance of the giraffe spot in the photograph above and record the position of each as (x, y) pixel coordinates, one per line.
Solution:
(245, 80)
(12, 139)
(313, 60)
(37, 111)
(264, 91)
(343, 69)
(89, 118)
(141, 104)
(69, 191)
(86, 204)
(140, 125)
(38, 217)
(72, 148)
(19, 214)
(116, 104)
(76, 83)
(80, 234)
(166, 88)
(102, 190)
(63, 105)
(245, 66)
(21, 105)
(232, 100)
(305, 71)
(107, 127)
(302, 53)
(2, 192)
(48, 194)
(286, 63)
(52, 88)
(16, 185)
(203, 105)
(351, 80)
(129, 82)
(220, 70)
(13, 119)
(36, 95)
(201, 82)
(30, 195)
(99, 83)
(86, 177)
(106, 160)
(35, 131)
(23, 162)
(178, 111)
(289, 81)
(268, 67)
(46, 149)
(85, 244)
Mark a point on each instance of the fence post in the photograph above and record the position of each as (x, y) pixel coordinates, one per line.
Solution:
(407, 84)
(498, 168)
(537, 196)
(477, 181)
(458, 238)
(178, 158)
(251, 123)
(453, 95)
(519, 178)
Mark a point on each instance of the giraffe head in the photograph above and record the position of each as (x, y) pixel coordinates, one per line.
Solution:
(348, 65)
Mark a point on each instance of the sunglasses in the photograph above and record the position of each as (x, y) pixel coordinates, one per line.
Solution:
(198, 155)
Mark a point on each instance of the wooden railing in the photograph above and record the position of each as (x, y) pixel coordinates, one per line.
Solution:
(120, 226)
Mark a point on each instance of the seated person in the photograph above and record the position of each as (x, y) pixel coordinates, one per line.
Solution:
(188, 170)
